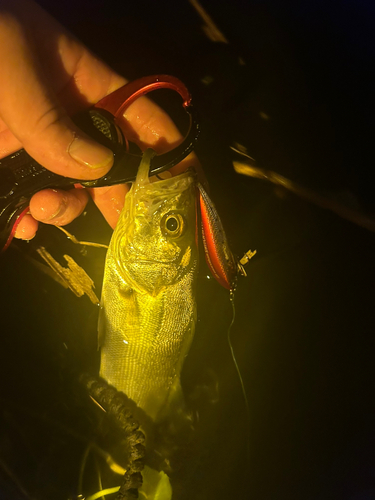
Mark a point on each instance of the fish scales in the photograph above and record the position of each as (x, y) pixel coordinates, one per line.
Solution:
(148, 309)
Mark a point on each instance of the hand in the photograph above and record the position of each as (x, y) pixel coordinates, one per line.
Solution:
(47, 75)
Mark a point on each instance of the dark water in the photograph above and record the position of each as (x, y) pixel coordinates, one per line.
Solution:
(303, 336)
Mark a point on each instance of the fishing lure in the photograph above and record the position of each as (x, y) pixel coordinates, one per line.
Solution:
(219, 257)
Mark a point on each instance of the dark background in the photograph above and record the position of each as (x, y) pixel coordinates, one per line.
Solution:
(303, 335)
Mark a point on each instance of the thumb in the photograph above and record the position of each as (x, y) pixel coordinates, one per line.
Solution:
(34, 116)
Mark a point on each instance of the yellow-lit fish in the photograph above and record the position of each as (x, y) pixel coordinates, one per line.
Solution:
(148, 309)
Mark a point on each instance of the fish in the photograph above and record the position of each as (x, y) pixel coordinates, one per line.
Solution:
(148, 309)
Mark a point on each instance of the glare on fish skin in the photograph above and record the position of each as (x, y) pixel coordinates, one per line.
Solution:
(125, 342)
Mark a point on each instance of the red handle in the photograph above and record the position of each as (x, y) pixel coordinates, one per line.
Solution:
(120, 99)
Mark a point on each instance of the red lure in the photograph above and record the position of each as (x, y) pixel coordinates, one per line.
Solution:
(219, 257)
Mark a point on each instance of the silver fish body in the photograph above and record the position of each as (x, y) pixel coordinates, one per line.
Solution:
(148, 309)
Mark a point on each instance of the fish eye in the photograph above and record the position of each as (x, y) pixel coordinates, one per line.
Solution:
(173, 225)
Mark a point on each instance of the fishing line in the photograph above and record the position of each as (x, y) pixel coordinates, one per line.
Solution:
(247, 406)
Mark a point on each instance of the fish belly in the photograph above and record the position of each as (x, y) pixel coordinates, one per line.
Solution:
(146, 339)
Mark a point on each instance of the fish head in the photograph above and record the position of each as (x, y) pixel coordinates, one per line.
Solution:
(155, 238)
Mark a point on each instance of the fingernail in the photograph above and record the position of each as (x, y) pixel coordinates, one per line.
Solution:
(89, 153)
(60, 210)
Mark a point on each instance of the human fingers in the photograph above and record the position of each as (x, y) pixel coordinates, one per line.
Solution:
(69, 71)
(55, 207)
(34, 115)
(51, 206)
(26, 228)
